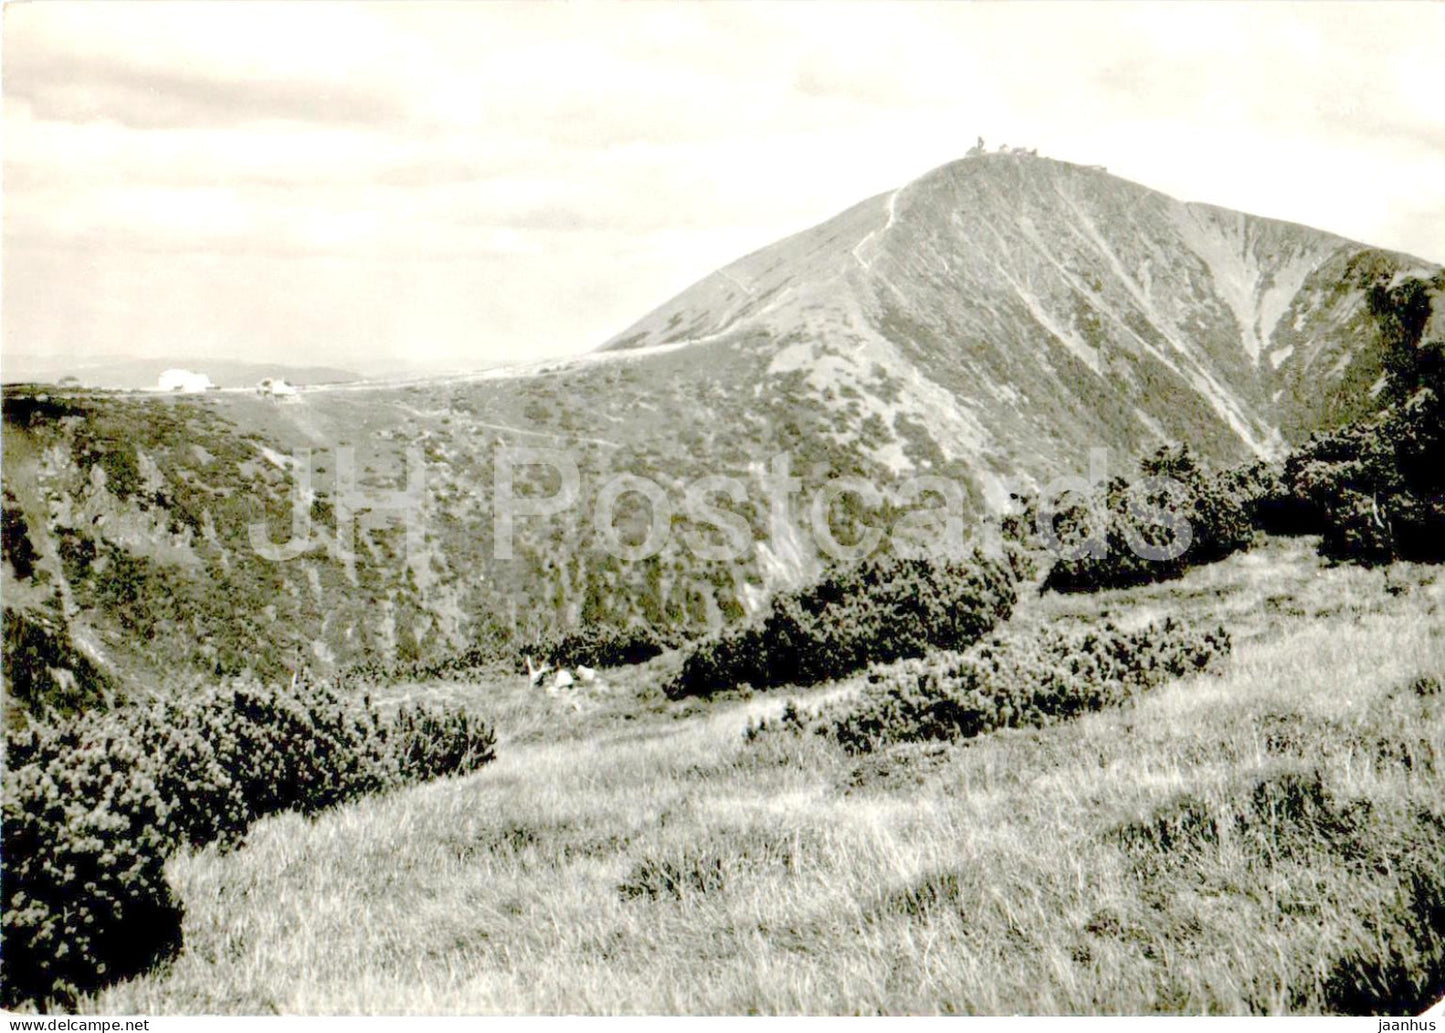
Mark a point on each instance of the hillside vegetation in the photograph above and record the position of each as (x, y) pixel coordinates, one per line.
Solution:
(95, 804)
(969, 781)
(1010, 681)
(873, 612)
(1260, 837)
(1375, 490)
(988, 323)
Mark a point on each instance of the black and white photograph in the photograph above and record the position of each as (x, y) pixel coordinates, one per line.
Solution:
(758, 508)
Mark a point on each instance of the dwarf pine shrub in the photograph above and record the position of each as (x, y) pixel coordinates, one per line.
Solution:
(1015, 681)
(1375, 491)
(885, 608)
(43, 669)
(596, 645)
(95, 804)
(1142, 519)
(15, 545)
(490, 653)
(85, 840)
(426, 744)
(239, 754)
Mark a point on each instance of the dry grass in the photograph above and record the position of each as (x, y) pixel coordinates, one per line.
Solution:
(1260, 841)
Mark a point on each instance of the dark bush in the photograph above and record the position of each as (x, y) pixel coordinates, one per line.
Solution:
(1375, 491)
(885, 608)
(490, 654)
(94, 805)
(428, 744)
(237, 755)
(596, 645)
(44, 670)
(1015, 681)
(15, 541)
(1426, 685)
(1402, 313)
(1143, 517)
(26, 405)
(86, 900)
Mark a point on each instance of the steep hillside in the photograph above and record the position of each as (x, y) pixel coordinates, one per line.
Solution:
(1035, 308)
(129, 541)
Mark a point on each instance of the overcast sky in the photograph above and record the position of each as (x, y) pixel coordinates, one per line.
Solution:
(380, 186)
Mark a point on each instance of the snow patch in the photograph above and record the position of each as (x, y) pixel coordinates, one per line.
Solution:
(996, 489)
(1155, 427)
(1065, 336)
(1259, 297)
(1233, 268)
(275, 458)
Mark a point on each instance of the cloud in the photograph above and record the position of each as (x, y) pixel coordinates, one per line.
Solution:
(1345, 73)
(515, 179)
(65, 88)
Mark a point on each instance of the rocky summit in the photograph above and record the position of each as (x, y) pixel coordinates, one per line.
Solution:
(1022, 309)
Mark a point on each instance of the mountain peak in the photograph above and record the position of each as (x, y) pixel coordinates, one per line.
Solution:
(1003, 281)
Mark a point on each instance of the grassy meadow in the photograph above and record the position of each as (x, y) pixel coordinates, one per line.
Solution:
(1269, 838)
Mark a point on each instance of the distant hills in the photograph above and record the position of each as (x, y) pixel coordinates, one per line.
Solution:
(124, 373)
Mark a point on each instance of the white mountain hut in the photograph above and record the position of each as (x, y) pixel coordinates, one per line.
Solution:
(276, 387)
(184, 381)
